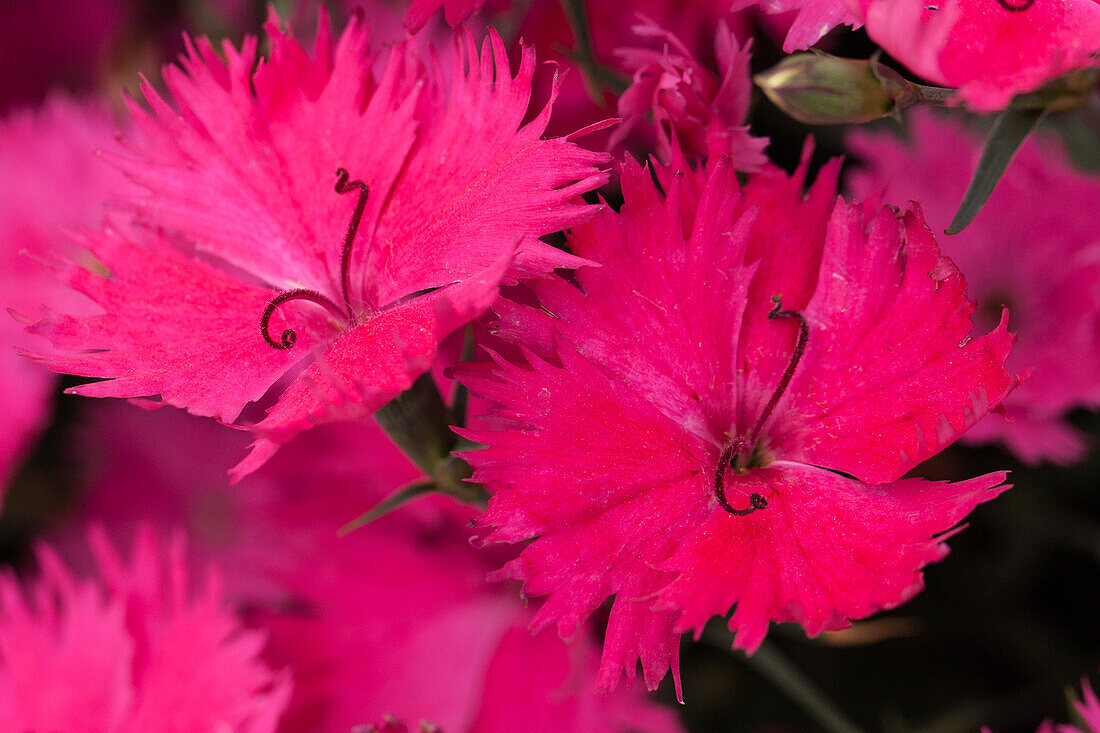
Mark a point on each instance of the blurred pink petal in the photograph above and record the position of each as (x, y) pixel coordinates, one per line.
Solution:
(1033, 248)
(50, 180)
(134, 651)
(742, 343)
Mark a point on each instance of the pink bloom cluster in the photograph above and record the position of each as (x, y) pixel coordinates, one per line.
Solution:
(707, 403)
(1041, 260)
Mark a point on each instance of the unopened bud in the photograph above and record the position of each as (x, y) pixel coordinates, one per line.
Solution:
(820, 89)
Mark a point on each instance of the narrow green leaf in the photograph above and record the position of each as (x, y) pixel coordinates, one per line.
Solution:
(1006, 137)
(387, 505)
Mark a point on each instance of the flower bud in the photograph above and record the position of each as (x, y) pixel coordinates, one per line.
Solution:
(820, 89)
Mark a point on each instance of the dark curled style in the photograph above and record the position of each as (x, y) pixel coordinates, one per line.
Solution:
(756, 501)
(738, 446)
(1016, 6)
(289, 336)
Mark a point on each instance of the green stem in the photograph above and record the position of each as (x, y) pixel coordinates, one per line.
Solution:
(781, 672)
(926, 96)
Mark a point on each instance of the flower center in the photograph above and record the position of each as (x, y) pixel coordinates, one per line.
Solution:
(289, 336)
(741, 445)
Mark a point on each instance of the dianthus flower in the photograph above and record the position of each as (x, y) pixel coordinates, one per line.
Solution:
(395, 618)
(46, 155)
(688, 102)
(990, 50)
(252, 266)
(131, 653)
(1033, 247)
(720, 414)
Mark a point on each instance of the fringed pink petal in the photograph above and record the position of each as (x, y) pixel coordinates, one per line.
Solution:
(174, 327)
(136, 652)
(891, 375)
(456, 11)
(1039, 219)
(860, 548)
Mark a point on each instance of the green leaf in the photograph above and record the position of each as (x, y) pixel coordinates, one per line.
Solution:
(388, 504)
(1008, 134)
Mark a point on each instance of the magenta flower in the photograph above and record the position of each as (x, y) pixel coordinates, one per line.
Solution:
(46, 157)
(1033, 248)
(252, 267)
(134, 652)
(720, 414)
(815, 18)
(703, 113)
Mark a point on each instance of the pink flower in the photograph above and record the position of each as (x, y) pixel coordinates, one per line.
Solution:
(815, 18)
(49, 180)
(252, 268)
(703, 113)
(990, 49)
(1033, 247)
(396, 618)
(738, 352)
(131, 653)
